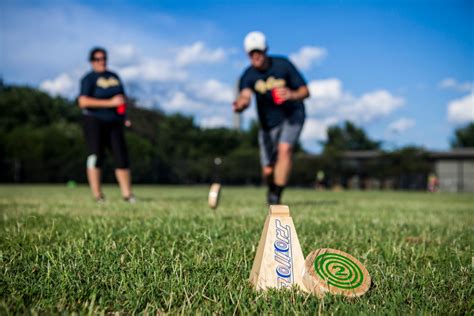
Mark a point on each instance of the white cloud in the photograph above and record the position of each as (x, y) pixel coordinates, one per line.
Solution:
(372, 105)
(329, 98)
(125, 54)
(179, 101)
(316, 129)
(461, 110)
(401, 125)
(326, 89)
(307, 56)
(450, 83)
(330, 104)
(198, 53)
(213, 90)
(153, 69)
(63, 85)
(325, 95)
(215, 121)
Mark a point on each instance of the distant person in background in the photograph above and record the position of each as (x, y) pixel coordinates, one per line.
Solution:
(103, 103)
(433, 182)
(280, 90)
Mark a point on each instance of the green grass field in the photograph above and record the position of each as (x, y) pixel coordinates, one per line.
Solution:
(169, 253)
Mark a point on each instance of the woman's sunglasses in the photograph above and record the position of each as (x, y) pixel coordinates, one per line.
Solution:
(99, 59)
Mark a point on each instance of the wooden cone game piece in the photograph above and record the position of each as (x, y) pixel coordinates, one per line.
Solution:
(336, 272)
(279, 261)
(214, 192)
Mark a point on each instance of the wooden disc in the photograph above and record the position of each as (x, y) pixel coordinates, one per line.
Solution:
(333, 271)
(214, 192)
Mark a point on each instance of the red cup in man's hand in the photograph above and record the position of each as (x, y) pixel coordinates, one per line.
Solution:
(276, 97)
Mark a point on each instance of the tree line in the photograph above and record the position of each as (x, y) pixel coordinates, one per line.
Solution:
(41, 140)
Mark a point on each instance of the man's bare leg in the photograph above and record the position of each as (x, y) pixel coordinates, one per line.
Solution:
(93, 176)
(123, 179)
(283, 164)
(281, 173)
(268, 176)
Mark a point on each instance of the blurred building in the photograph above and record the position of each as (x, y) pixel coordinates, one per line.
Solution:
(371, 169)
(455, 170)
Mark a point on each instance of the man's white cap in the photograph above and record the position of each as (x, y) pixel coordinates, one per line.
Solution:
(255, 41)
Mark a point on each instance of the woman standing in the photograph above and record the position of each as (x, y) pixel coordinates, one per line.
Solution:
(102, 100)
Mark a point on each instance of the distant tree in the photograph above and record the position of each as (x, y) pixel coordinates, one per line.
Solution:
(463, 137)
(409, 167)
(145, 122)
(25, 105)
(348, 137)
(341, 138)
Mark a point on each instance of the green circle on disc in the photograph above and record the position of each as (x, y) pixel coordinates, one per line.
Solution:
(351, 275)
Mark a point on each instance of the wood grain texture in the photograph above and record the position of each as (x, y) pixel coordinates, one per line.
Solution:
(279, 260)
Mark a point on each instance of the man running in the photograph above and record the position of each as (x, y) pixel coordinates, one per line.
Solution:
(280, 90)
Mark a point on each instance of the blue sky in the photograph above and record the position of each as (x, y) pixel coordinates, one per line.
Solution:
(403, 70)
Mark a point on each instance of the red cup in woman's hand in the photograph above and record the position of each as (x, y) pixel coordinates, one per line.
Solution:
(122, 108)
(276, 97)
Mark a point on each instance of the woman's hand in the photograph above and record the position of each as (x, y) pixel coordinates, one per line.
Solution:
(117, 100)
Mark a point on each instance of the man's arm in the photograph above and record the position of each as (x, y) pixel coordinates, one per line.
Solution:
(293, 95)
(243, 100)
(90, 102)
(295, 79)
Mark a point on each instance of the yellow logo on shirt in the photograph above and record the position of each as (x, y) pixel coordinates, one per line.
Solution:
(271, 83)
(107, 83)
